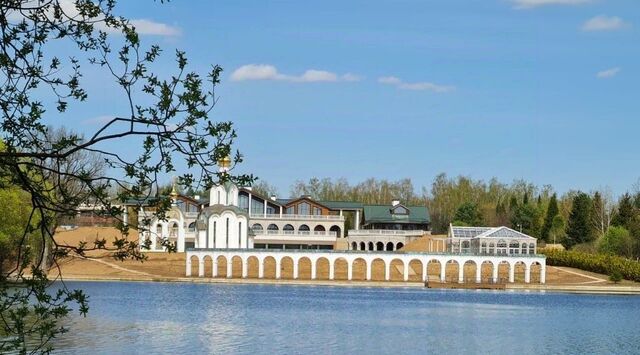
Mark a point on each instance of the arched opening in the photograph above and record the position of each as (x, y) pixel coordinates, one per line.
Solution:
(304, 229)
(483, 247)
(287, 229)
(208, 266)
(337, 230)
(377, 270)
(535, 272)
(269, 267)
(252, 267)
(371, 247)
(173, 231)
(236, 267)
(433, 270)
(469, 272)
(257, 228)
(532, 248)
(415, 270)
(322, 269)
(518, 275)
(192, 227)
(389, 246)
(222, 266)
(451, 271)
(379, 246)
(362, 246)
(359, 269)
(286, 268)
(340, 269)
(399, 246)
(195, 265)
(486, 271)
(397, 270)
(503, 272)
(319, 228)
(523, 248)
(304, 268)
(272, 229)
(492, 248)
(354, 246)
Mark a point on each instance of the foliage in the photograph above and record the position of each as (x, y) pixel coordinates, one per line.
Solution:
(552, 212)
(526, 216)
(615, 276)
(617, 241)
(167, 118)
(467, 214)
(579, 228)
(599, 263)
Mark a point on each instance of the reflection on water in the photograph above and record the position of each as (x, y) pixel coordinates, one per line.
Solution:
(209, 318)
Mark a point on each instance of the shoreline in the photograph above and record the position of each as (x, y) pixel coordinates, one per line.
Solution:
(571, 289)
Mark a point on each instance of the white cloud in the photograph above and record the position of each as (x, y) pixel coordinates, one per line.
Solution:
(148, 27)
(143, 26)
(608, 73)
(604, 23)
(270, 72)
(421, 86)
(529, 4)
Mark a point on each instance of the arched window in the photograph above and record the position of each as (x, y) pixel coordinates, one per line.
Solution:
(288, 229)
(159, 230)
(335, 229)
(362, 246)
(257, 228)
(192, 227)
(380, 246)
(501, 247)
(173, 232)
(389, 246)
(483, 249)
(304, 229)
(465, 246)
(524, 248)
(272, 229)
(514, 247)
(532, 248)
(371, 246)
(354, 246)
(399, 246)
(492, 249)
(319, 228)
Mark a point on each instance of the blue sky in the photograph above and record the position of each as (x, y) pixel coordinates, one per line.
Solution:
(543, 90)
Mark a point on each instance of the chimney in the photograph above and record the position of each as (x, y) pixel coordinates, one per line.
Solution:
(248, 188)
(196, 197)
(395, 202)
(273, 197)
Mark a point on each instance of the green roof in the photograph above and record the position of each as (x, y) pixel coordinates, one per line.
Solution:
(382, 214)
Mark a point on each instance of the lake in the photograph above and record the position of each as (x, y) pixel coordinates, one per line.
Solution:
(180, 318)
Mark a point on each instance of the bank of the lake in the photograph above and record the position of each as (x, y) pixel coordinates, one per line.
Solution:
(154, 317)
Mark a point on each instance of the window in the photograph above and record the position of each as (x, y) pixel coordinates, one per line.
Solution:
(271, 210)
(317, 211)
(289, 210)
(304, 209)
(257, 228)
(227, 232)
(243, 202)
(400, 210)
(239, 234)
(257, 207)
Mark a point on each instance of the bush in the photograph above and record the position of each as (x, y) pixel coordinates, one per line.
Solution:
(599, 263)
(615, 276)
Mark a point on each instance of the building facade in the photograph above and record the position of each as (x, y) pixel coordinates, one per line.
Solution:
(489, 241)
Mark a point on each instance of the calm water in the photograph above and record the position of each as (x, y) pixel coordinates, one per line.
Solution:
(208, 318)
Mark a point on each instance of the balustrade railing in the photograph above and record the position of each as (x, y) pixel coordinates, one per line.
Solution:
(297, 216)
(367, 232)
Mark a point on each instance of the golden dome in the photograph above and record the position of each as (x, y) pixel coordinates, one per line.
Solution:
(224, 162)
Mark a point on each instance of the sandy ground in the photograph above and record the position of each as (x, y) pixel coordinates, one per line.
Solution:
(171, 267)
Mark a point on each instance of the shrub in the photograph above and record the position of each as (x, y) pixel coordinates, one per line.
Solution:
(599, 263)
(615, 276)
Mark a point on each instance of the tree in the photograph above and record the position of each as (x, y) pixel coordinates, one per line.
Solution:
(552, 212)
(526, 217)
(264, 188)
(468, 214)
(166, 120)
(579, 228)
(625, 213)
(557, 231)
(617, 241)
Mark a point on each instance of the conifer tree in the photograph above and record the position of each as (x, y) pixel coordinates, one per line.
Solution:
(579, 228)
(625, 212)
(552, 211)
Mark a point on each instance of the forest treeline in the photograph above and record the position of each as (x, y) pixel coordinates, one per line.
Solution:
(588, 221)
